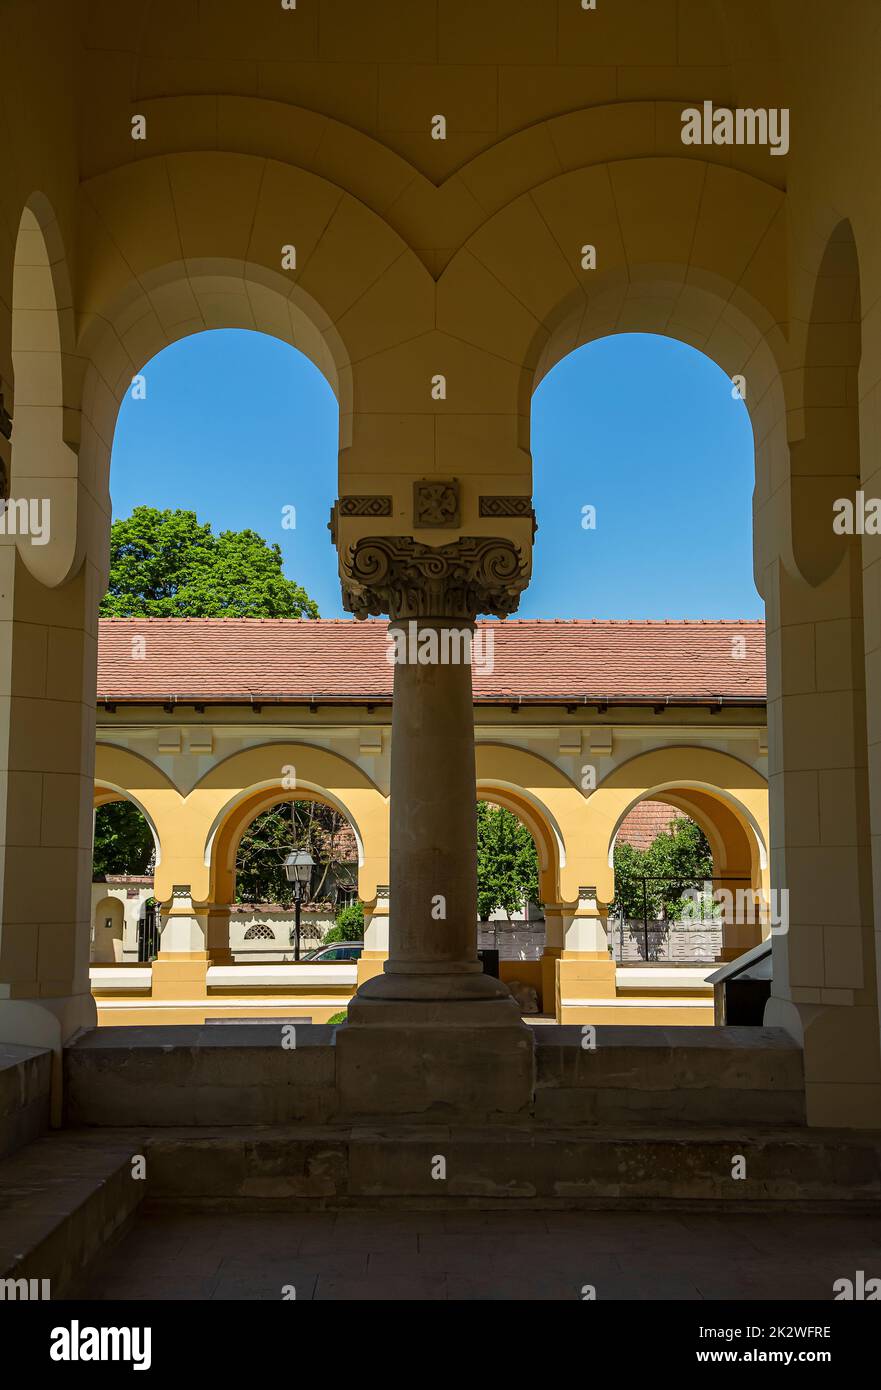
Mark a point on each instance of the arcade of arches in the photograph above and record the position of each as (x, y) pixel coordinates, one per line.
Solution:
(200, 769)
(155, 173)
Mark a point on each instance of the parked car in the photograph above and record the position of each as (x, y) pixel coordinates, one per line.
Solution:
(340, 951)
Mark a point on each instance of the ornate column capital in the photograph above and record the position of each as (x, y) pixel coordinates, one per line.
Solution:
(399, 576)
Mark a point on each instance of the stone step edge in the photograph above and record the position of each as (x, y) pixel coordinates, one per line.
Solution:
(338, 1168)
(59, 1238)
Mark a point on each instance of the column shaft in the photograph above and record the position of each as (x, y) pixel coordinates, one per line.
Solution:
(433, 830)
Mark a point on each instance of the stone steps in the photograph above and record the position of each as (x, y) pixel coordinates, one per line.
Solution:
(61, 1199)
(518, 1166)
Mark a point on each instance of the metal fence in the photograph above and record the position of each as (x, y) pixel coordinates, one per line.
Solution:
(660, 936)
(632, 939)
(513, 940)
(148, 934)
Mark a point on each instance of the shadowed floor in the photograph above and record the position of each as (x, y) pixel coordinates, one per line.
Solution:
(479, 1255)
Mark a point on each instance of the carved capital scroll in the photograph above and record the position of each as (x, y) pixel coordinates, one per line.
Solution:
(399, 576)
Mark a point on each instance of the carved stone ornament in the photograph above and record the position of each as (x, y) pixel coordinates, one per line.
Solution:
(436, 503)
(508, 506)
(399, 576)
(371, 504)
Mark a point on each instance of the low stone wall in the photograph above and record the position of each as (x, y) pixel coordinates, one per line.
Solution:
(265, 935)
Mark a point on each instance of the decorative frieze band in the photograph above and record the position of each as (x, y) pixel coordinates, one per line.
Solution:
(370, 504)
(398, 576)
(507, 506)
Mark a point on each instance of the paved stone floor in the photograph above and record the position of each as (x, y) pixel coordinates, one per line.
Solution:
(476, 1255)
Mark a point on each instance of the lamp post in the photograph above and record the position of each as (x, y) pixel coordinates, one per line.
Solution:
(298, 868)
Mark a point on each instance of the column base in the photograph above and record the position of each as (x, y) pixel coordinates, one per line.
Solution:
(443, 987)
(438, 1059)
(841, 1061)
(48, 1022)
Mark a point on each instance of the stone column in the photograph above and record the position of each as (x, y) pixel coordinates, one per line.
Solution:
(432, 1030)
(433, 865)
(47, 749)
(824, 990)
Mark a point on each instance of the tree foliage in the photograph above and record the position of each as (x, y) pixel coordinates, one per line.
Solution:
(680, 854)
(311, 825)
(123, 841)
(507, 862)
(165, 564)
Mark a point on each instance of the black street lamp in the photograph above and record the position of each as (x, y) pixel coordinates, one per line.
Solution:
(298, 868)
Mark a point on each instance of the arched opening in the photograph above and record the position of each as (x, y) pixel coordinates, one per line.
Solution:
(274, 912)
(658, 495)
(224, 530)
(264, 921)
(125, 853)
(108, 926)
(42, 487)
(688, 880)
(511, 926)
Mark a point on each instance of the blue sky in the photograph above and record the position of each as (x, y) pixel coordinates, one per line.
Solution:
(235, 426)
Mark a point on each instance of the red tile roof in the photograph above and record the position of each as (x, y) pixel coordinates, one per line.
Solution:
(646, 822)
(339, 660)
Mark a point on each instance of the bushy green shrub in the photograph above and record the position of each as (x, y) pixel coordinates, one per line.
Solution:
(338, 1018)
(349, 925)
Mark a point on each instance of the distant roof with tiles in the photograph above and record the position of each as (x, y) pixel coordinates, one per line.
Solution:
(642, 826)
(217, 660)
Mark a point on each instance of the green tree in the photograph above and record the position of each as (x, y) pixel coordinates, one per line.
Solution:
(507, 862)
(311, 825)
(680, 854)
(123, 841)
(165, 564)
